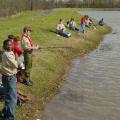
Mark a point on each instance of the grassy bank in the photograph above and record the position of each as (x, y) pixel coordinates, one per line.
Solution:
(49, 65)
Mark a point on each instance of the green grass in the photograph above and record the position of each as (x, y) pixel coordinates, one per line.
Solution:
(49, 65)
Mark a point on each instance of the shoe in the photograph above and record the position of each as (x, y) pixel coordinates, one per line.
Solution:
(19, 102)
(27, 82)
(69, 35)
(31, 81)
(2, 114)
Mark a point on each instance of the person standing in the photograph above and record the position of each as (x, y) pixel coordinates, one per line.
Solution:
(8, 70)
(18, 52)
(83, 22)
(28, 47)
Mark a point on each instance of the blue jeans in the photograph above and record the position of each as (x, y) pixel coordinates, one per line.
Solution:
(2, 91)
(83, 27)
(9, 83)
(78, 30)
(101, 23)
(64, 34)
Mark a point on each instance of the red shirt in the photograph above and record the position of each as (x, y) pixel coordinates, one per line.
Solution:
(83, 20)
(16, 49)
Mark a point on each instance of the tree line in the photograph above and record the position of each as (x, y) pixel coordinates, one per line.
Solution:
(94, 3)
(9, 7)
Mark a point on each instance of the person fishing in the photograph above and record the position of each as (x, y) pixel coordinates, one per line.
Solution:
(18, 52)
(61, 30)
(8, 70)
(28, 47)
(101, 22)
(72, 25)
(83, 22)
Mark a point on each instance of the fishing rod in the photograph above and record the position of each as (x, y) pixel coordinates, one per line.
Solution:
(56, 47)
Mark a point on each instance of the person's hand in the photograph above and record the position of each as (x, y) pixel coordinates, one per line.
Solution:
(16, 57)
(37, 46)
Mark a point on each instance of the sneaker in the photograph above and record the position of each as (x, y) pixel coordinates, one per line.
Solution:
(19, 102)
(31, 81)
(27, 82)
(69, 35)
(2, 114)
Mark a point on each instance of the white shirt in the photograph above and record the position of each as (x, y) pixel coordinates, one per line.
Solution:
(72, 24)
(9, 64)
(60, 26)
(25, 43)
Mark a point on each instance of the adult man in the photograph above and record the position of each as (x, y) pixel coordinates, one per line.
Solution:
(28, 48)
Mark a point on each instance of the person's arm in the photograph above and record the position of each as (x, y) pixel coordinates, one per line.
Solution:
(16, 56)
(63, 27)
(18, 50)
(27, 45)
(57, 27)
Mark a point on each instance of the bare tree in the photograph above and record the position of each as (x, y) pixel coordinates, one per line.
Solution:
(9, 7)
